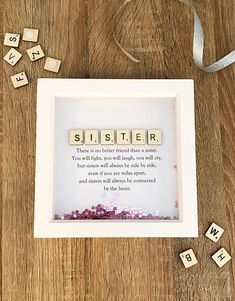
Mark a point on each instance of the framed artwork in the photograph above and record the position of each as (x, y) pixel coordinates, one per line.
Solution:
(115, 158)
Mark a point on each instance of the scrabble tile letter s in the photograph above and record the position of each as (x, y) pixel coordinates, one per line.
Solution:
(75, 137)
(11, 39)
(107, 137)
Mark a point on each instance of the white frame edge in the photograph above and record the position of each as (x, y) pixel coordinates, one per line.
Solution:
(48, 90)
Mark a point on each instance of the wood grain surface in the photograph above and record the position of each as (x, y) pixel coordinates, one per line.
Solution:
(79, 32)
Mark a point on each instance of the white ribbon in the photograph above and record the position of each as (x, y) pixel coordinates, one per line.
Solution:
(198, 43)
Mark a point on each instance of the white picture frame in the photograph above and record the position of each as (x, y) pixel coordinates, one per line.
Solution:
(48, 91)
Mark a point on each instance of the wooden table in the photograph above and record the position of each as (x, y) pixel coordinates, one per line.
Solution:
(80, 34)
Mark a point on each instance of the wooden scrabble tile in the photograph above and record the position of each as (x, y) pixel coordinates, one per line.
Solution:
(12, 57)
(30, 35)
(138, 137)
(91, 137)
(75, 137)
(154, 137)
(35, 53)
(221, 257)
(19, 80)
(123, 137)
(107, 137)
(214, 232)
(52, 64)
(188, 258)
(11, 39)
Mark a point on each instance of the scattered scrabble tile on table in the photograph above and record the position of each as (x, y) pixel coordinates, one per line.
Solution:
(221, 257)
(214, 232)
(30, 35)
(188, 258)
(19, 79)
(11, 39)
(12, 57)
(52, 64)
(35, 53)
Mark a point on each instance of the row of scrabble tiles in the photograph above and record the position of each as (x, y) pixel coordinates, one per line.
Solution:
(221, 257)
(121, 137)
(13, 39)
(35, 53)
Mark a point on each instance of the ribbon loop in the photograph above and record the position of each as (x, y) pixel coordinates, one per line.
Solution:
(198, 43)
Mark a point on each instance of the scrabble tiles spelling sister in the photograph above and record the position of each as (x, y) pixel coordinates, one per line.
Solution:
(119, 137)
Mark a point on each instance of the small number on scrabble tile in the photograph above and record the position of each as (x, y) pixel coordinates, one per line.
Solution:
(221, 257)
(214, 232)
(138, 137)
(91, 137)
(52, 64)
(107, 137)
(12, 57)
(11, 39)
(75, 137)
(123, 137)
(154, 137)
(188, 258)
(35, 53)
(19, 80)
(30, 35)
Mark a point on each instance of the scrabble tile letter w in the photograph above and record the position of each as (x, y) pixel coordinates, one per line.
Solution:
(214, 232)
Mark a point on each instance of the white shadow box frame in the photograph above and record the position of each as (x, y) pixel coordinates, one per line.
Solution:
(51, 90)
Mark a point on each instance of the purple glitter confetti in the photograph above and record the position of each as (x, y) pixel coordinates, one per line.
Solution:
(111, 212)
